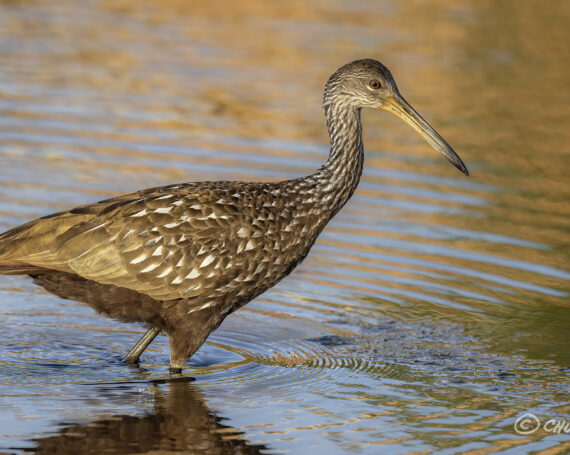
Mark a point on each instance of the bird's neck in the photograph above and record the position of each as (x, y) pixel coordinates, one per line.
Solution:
(338, 178)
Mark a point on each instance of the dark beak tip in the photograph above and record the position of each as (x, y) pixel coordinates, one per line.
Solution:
(459, 164)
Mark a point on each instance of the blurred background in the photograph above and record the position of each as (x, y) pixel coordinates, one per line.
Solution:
(432, 312)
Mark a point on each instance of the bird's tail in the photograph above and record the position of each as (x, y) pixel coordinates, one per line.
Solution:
(19, 268)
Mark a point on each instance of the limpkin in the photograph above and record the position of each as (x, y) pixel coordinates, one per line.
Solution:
(180, 258)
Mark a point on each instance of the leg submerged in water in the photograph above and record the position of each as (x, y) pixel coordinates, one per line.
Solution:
(135, 353)
(187, 332)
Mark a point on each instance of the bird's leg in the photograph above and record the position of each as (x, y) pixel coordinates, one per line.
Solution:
(187, 331)
(138, 349)
(184, 342)
(182, 345)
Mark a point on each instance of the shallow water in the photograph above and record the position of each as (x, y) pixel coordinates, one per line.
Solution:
(431, 314)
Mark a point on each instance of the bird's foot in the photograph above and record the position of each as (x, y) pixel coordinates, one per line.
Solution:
(175, 370)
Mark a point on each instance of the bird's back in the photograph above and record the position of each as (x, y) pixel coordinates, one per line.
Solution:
(212, 243)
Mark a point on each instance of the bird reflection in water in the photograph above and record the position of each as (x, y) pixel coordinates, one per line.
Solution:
(180, 423)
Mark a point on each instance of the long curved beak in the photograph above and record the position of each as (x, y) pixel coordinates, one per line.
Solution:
(398, 106)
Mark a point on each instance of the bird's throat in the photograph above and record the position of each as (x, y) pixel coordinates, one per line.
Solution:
(339, 176)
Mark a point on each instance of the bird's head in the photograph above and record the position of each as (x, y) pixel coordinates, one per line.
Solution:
(368, 83)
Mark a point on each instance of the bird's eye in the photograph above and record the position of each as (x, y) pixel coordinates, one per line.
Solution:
(375, 84)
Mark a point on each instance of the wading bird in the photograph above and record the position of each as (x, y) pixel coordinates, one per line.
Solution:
(180, 258)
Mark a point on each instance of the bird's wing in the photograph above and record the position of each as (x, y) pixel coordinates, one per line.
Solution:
(168, 244)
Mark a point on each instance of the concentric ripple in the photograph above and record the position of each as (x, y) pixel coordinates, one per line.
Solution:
(297, 363)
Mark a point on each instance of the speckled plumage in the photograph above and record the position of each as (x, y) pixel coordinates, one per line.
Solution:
(182, 257)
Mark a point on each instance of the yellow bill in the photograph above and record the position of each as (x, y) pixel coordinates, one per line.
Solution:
(398, 106)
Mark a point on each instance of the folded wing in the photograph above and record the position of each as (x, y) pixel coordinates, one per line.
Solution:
(165, 243)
